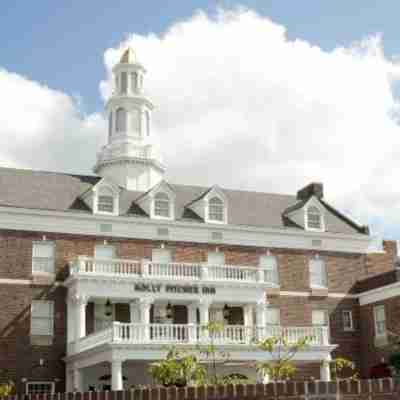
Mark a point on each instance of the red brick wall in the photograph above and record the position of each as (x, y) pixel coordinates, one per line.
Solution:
(16, 263)
(378, 263)
(372, 355)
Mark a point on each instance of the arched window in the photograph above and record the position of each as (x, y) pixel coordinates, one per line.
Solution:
(314, 218)
(110, 126)
(162, 205)
(134, 121)
(124, 83)
(105, 200)
(134, 82)
(120, 120)
(216, 209)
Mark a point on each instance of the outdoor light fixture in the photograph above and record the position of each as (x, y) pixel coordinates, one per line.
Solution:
(108, 308)
(169, 310)
(226, 312)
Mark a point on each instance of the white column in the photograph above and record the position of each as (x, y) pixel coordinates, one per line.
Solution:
(80, 303)
(261, 319)
(116, 375)
(192, 320)
(325, 371)
(78, 380)
(204, 318)
(248, 322)
(134, 312)
(69, 380)
(70, 321)
(145, 305)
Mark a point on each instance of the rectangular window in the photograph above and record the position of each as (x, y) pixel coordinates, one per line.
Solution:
(215, 258)
(270, 265)
(104, 252)
(39, 387)
(347, 317)
(161, 256)
(42, 318)
(318, 275)
(105, 204)
(319, 318)
(380, 320)
(273, 316)
(124, 83)
(43, 259)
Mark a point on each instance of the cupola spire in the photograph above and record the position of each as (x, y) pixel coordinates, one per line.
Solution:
(130, 157)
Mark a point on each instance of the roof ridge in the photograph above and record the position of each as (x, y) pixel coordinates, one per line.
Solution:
(48, 172)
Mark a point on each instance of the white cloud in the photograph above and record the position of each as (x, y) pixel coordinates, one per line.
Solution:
(240, 105)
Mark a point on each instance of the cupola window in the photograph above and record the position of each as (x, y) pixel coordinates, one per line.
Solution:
(134, 82)
(216, 209)
(120, 120)
(162, 205)
(124, 83)
(314, 218)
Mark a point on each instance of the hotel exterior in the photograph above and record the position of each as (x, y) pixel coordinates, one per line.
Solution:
(99, 274)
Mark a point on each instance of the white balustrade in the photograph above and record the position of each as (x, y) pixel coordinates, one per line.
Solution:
(137, 334)
(173, 271)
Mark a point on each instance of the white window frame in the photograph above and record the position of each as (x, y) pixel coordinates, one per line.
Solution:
(208, 211)
(44, 265)
(105, 190)
(326, 317)
(272, 267)
(108, 246)
(321, 215)
(351, 327)
(49, 318)
(378, 331)
(162, 252)
(166, 199)
(29, 383)
(323, 273)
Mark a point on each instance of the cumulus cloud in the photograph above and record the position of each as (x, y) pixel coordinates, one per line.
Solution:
(42, 128)
(240, 105)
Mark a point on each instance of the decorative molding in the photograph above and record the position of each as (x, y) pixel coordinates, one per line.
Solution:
(144, 228)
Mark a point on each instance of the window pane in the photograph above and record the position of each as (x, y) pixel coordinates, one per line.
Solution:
(43, 259)
(105, 203)
(162, 205)
(215, 209)
(347, 320)
(42, 317)
(273, 316)
(133, 82)
(215, 258)
(124, 83)
(120, 120)
(161, 256)
(319, 317)
(313, 218)
(104, 252)
(318, 276)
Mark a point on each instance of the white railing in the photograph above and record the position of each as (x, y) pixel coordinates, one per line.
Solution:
(139, 334)
(43, 264)
(173, 271)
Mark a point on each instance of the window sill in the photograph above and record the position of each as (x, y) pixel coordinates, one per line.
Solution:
(319, 291)
(43, 277)
(41, 340)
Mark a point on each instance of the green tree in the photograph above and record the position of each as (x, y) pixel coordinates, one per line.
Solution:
(179, 368)
(281, 354)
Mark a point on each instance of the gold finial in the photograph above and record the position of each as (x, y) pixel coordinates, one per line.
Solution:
(128, 57)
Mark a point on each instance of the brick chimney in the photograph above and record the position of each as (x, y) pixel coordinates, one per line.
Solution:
(313, 189)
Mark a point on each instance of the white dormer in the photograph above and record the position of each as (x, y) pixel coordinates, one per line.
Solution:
(310, 215)
(212, 207)
(103, 197)
(159, 202)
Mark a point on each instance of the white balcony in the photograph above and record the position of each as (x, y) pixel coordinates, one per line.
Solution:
(172, 271)
(190, 334)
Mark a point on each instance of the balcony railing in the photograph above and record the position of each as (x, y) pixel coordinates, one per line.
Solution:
(172, 271)
(162, 334)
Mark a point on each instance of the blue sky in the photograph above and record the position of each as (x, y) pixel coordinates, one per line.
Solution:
(61, 43)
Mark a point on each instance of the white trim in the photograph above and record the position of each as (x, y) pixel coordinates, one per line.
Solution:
(314, 202)
(145, 228)
(15, 281)
(380, 294)
(351, 327)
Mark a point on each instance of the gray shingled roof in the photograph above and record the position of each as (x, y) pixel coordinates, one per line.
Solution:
(61, 192)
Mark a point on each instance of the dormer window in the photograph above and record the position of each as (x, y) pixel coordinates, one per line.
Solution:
(216, 210)
(162, 205)
(105, 203)
(106, 200)
(314, 219)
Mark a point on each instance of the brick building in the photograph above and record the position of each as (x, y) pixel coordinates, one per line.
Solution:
(99, 273)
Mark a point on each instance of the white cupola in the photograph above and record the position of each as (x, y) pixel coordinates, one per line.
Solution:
(130, 158)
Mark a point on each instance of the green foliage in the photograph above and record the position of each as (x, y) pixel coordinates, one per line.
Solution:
(342, 368)
(7, 389)
(178, 369)
(394, 360)
(280, 367)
